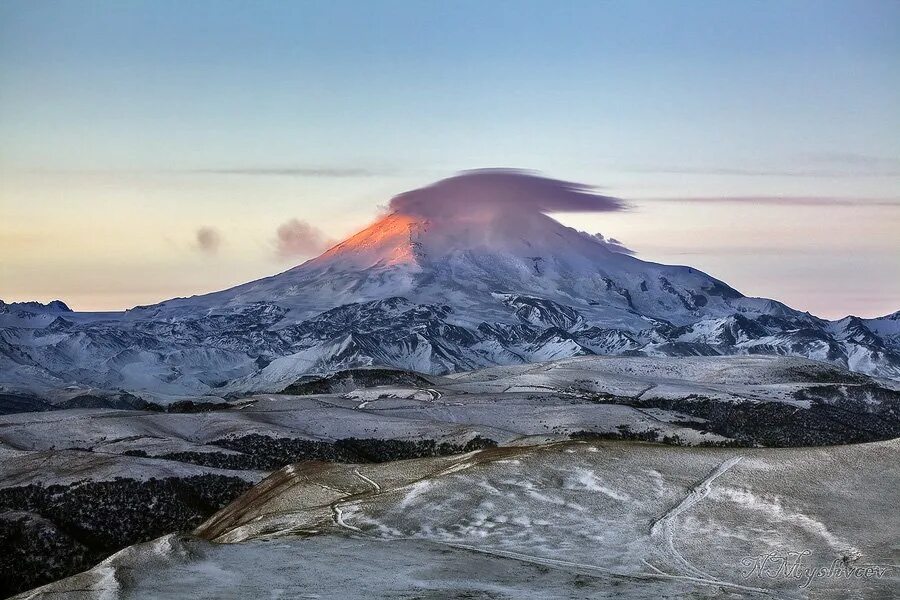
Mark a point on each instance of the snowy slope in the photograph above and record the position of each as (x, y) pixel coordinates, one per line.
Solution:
(466, 273)
(699, 399)
(622, 520)
(129, 473)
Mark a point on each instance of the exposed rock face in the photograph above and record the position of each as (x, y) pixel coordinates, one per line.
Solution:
(54, 531)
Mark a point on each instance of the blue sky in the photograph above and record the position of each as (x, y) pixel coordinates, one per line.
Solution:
(301, 108)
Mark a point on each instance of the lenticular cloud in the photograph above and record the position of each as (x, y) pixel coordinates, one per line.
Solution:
(498, 192)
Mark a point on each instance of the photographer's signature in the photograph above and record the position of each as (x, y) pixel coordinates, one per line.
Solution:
(790, 565)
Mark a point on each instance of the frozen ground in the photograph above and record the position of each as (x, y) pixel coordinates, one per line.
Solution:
(572, 520)
(510, 405)
(70, 467)
(758, 378)
(66, 475)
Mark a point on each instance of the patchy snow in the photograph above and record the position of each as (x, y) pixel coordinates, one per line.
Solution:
(49, 467)
(534, 522)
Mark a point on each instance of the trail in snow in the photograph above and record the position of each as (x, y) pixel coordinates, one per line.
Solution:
(662, 531)
(644, 391)
(595, 570)
(338, 516)
(337, 513)
(713, 582)
(375, 486)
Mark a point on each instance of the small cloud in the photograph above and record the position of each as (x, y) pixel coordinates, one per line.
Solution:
(781, 200)
(297, 239)
(610, 243)
(208, 240)
(861, 163)
(825, 165)
(712, 170)
(337, 172)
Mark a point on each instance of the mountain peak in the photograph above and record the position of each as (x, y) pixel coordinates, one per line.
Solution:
(52, 306)
(462, 240)
(387, 242)
(488, 211)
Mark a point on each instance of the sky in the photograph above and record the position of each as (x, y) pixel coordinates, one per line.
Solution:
(158, 149)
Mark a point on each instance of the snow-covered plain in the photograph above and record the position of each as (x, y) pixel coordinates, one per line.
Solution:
(571, 520)
(518, 404)
(384, 415)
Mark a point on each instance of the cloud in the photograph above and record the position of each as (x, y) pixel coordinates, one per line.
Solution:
(208, 240)
(736, 171)
(501, 192)
(296, 239)
(880, 165)
(610, 243)
(291, 171)
(781, 200)
(826, 164)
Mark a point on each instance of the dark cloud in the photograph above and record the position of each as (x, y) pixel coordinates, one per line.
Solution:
(208, 240)
(298, 239)
(292, 171)
(496, 192)
(782, 200)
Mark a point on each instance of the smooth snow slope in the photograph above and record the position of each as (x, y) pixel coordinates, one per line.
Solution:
(617, 520)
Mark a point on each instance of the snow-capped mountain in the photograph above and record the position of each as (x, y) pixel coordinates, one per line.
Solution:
(466, 273)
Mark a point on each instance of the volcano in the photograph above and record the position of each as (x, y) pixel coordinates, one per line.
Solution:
(468, 272)
(477, 241)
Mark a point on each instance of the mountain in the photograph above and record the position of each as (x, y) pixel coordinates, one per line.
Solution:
(465, 273)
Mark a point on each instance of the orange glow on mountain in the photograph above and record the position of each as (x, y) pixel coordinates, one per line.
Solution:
(388, 242)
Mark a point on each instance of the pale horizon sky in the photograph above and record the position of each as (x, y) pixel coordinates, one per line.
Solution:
(158, 149)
